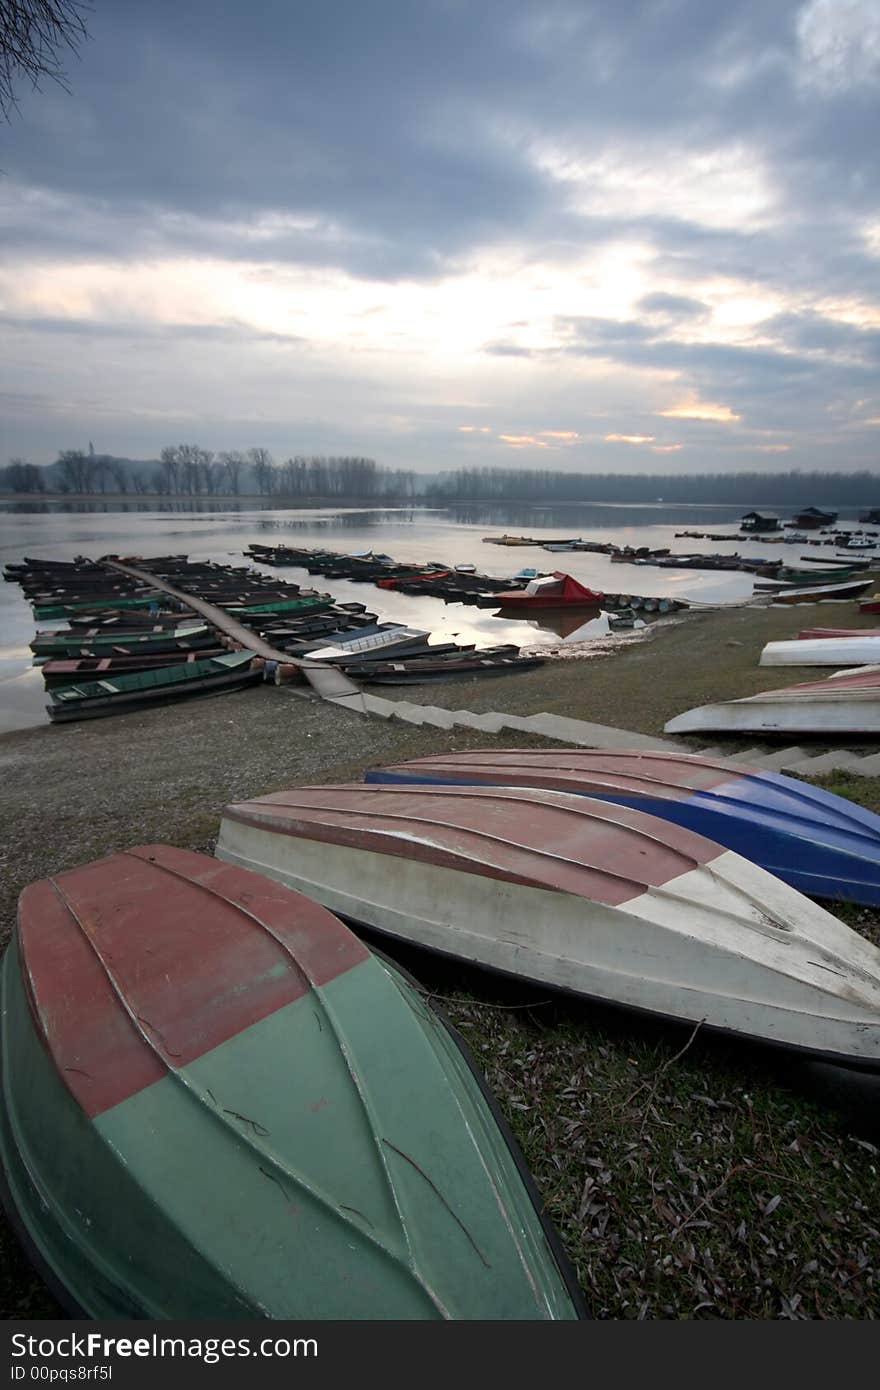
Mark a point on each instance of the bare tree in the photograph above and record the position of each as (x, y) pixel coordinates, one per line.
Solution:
(119, 476)
(33, 37)
(76, 471)
(233, 461)
(264, 470)
(169, 465)
(22, 476)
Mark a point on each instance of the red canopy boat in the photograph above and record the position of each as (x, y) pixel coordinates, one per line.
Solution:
(556, 590)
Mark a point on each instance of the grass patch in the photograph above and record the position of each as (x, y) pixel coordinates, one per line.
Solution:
(864, 791)
(683, 1181)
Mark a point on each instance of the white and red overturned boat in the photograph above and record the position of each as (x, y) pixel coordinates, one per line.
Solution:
(819, 843)
(599, 900)
(847, 702)
(853, 650)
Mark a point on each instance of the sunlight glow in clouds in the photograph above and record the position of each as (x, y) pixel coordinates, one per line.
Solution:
(720, 188)
(702, 410)
(629, 438)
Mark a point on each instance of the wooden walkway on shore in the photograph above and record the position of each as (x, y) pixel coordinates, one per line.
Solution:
(327, 681)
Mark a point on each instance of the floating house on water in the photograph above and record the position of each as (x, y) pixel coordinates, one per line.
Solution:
(812, 518)
(760, 521)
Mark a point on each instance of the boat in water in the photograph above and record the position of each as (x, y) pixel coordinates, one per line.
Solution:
(468, 666)
(817, 593)
(217, 1103)
(566, 891)
(819, 843)
(845, 703)
(92, 699)
(555, 590)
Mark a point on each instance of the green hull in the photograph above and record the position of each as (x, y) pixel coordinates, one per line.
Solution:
(90, 698)
(46, 611)
(288, 605)
(332, 1157)
(65, 642)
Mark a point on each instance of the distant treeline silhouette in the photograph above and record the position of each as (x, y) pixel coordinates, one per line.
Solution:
(751, 489)
(188, 470)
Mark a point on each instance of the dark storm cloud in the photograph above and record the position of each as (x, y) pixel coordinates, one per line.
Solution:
(721, 367)
(222, 331)
(673, 308)
(409, 128)
(815, 334)
(398, 140)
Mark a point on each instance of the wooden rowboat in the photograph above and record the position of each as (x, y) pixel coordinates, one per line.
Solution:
(216, 1103)
(67, 671)
(816, 593)
(819, 843)
(565, 891)
(95, 698)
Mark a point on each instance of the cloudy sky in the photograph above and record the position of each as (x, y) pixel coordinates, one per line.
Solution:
(636, 236)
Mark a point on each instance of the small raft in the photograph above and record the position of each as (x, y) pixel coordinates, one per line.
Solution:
(216, 1103)
(600, 900)
(819, 843)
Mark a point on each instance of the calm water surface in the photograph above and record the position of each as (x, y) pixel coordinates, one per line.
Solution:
(450, 535)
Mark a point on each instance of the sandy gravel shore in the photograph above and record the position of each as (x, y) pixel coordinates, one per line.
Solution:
(609, 1113)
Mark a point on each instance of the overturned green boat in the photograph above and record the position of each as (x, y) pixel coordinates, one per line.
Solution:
(217, 1103)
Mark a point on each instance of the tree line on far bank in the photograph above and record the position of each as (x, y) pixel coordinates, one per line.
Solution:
(189, 471)
(751, 489)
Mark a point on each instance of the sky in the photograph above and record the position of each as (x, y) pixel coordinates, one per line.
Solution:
(640, 236)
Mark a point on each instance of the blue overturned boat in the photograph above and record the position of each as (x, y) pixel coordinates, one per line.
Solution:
(819, 843)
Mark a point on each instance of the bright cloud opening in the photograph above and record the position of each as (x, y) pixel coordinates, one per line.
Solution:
(701, 411)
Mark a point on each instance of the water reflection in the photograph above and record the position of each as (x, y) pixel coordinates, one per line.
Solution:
(562, 622)
(576, 518)
(221, 531)
(336, 521)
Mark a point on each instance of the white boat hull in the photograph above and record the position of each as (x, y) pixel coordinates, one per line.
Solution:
(723, 943)
(828, 651)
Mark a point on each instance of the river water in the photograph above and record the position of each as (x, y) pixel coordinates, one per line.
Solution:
(450, 535)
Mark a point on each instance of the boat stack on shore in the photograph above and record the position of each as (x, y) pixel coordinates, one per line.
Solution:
(845, 704)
